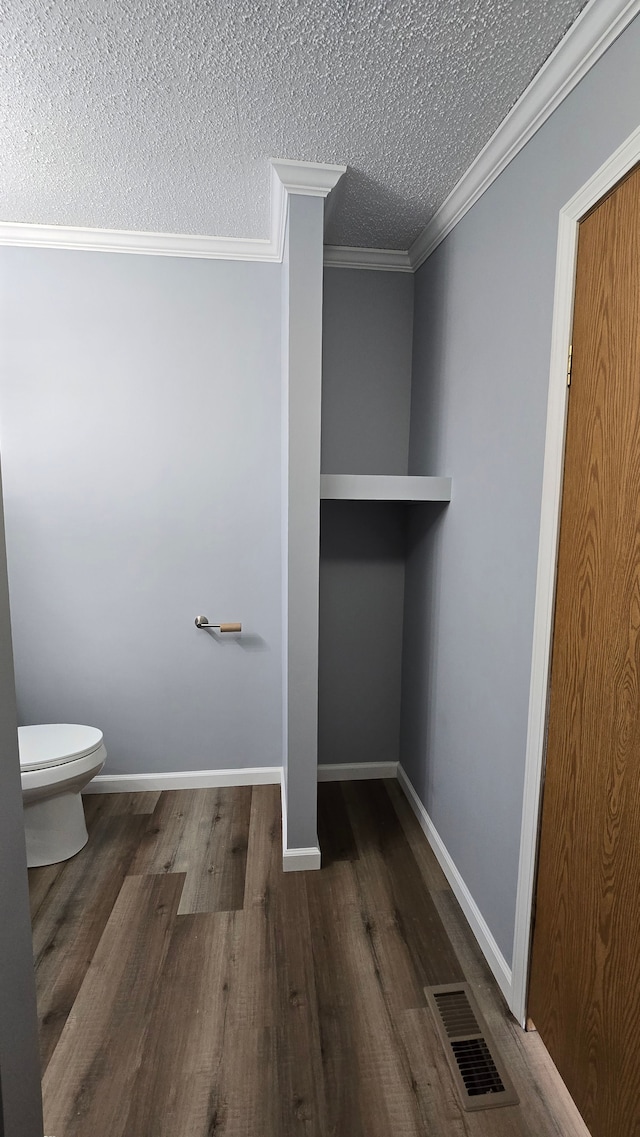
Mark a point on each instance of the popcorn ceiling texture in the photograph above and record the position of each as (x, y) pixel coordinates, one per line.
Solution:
(162, 114)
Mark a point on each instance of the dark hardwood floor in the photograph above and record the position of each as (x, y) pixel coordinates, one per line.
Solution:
(189, 988)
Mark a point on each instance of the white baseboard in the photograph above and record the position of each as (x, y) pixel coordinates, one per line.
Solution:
(245, 776)
(299, 860)
(356, 771)
(475, 919)
(295, 860)
(303, 859)
(185, 780)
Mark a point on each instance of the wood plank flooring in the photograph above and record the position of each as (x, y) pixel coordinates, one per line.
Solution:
(188, 988)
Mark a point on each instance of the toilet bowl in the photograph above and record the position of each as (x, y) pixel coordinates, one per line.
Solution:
(57, 761)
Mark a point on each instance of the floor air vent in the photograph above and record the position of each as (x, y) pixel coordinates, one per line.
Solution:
(478, 1072)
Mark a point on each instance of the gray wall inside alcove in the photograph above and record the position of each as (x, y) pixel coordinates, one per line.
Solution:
(366, 393)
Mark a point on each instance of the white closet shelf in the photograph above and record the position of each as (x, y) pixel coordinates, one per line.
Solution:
(383, 487)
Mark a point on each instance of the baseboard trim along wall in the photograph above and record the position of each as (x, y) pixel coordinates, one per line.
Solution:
(301, 860)
(185, 780)
(356, 771)
(475, 919)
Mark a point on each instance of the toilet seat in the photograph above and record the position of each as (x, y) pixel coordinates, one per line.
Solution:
(55, 744)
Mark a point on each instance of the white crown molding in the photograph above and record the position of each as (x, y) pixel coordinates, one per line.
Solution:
(129, 241)
(279, 198)
(315, 179)
(379, 260)
(311, 179)
(596, 28)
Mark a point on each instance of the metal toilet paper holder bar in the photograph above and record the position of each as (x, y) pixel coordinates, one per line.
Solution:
(203, 622)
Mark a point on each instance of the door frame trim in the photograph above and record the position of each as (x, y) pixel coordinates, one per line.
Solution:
(605, 178)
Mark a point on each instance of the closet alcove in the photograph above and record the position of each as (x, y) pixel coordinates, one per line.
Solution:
(370, 510)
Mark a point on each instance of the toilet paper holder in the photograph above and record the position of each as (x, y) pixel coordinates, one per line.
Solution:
(203, 622)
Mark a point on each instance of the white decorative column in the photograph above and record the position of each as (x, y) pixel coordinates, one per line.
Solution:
(300, 189)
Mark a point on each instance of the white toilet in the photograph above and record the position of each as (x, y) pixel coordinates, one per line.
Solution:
(57, 761)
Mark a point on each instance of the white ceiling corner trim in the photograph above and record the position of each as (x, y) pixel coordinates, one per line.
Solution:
(315, 179)
(595, 29)
(278, 213)
(311, 179)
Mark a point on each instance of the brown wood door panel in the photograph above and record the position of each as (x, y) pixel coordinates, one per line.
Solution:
(585, 977)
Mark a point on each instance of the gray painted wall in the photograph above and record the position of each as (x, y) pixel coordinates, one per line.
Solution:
(20, 1104)
(140, 435)
(366, 371)
(366, 399)
(481, 368)
(362, 551)
(302, 394)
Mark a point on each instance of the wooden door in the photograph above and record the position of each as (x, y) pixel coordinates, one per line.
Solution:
(584, 995)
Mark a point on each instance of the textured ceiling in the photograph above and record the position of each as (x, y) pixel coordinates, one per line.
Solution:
(162, 114)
